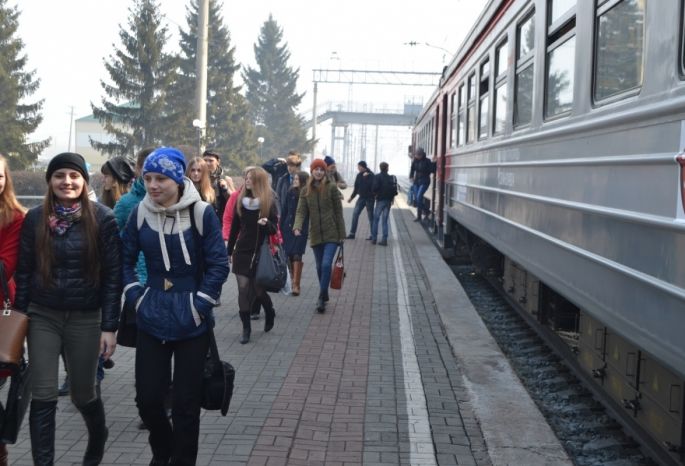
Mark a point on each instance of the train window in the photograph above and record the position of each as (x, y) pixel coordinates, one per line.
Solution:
(471, 110)
(484, 103)
(461, 124)
(523, 97)
(502, 58)
(619, 43)
(556, 9)
(523, 107)
(453, 120)
(525, 37)
(500, 108)
(560, 73)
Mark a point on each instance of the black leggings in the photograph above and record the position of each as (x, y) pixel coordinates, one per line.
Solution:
(248, 292)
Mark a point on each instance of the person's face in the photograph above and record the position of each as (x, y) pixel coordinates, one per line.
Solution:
(67, 185)
(248, 181)
(296, 182)
(360, 168)
(161, 189)
(3, 177)
(318, 173)
(196, 173)
(331, 168)
(292, 169)
(212, 163)
(108, 181)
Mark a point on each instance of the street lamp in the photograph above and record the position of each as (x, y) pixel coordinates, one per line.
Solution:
(198, 124)
(260, 140)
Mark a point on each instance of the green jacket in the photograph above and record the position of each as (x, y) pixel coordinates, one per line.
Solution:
(326, 223)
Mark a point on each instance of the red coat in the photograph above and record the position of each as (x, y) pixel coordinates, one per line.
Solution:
(9, 250)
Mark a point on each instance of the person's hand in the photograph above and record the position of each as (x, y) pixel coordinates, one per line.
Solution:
(262, 221)
(349, 200)
(108, 343)
(297, 232)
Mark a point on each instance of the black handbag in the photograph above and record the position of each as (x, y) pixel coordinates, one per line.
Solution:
(272, 268)
(128, 330)
(18, 397)
(217, 382)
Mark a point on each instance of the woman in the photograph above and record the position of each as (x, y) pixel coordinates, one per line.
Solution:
(255, 218)
(294, 246)
(11, 219)
(187, 265)
(69, 282)
(198, 172)
(321, 201)
(118, 174)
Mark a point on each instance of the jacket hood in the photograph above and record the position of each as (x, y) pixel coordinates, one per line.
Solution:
(138, 187)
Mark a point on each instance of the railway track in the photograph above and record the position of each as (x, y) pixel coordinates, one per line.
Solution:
(585, 428)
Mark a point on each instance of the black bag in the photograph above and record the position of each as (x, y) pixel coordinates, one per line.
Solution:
(217, 382)
(272, 268)
(128, 330)
(18, 398)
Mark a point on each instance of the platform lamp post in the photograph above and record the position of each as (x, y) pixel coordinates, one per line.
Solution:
(198, 124)
(260, 140)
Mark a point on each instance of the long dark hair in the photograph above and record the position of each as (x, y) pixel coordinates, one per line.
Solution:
(91, 258)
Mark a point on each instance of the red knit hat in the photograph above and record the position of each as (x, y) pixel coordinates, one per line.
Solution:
(317, 163)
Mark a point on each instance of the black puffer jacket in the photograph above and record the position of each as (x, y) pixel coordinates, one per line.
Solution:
(71, 290)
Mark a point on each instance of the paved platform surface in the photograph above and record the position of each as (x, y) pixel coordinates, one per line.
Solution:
(398, 371)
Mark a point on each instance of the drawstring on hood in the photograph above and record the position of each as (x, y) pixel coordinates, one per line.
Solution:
(158, 213)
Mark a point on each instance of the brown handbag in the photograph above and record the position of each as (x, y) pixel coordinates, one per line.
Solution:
(338, 273)
(14, 326)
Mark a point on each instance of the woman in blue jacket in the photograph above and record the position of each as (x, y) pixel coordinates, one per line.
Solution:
(294, 246)
(174, 307)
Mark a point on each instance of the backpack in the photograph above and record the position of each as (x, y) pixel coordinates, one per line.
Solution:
(389, 187)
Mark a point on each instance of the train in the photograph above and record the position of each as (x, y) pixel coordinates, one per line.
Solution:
(558, 132)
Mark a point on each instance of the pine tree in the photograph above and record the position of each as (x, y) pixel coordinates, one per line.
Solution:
(141, 73)
(229, 129)
(271, 93)
(18, 118)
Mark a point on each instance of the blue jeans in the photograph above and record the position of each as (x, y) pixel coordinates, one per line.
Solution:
(358, 207)
(420, 204)
(411, 195)
(324, 254)
(382, 211)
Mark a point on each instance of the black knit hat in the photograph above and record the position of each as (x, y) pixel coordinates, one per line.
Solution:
(120, 168)
(67, 160)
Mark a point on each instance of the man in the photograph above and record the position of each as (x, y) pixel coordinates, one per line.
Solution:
(385, 190)
(420, 176)
(293, 162)
(332, 172)
(213, 161)
(363, 186)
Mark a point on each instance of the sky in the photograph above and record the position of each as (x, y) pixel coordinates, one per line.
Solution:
(66, 42)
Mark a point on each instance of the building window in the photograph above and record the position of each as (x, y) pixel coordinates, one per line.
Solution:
(453, 120)
(619, 44)
(525, 51)
(557, 9)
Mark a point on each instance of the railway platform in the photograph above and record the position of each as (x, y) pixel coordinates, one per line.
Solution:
(399, 370)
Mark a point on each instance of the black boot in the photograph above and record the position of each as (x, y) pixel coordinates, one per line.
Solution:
(42, 427)
(94, 415)
(247, 328)
(321, 304)
(270, 315)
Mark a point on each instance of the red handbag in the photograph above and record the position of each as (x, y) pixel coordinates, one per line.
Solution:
(338, 272)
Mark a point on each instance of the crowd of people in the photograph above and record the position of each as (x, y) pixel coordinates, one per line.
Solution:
(161, 241)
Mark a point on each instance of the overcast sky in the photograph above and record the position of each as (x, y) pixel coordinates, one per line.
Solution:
(67, 40)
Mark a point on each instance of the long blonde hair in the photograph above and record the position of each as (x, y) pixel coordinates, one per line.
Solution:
(205, 185)
(261, 189)
(9, 205)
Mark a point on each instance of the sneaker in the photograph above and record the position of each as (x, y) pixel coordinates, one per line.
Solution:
(417, 219)
(350, 236)
(383, 243)
(64, 389)
(370, 238)
(373, 241)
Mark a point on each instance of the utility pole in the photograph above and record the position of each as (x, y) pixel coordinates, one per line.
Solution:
(314, 122)
(201, 69)
(71, 122)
